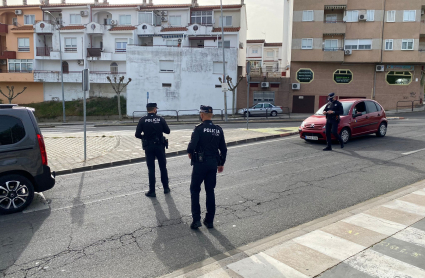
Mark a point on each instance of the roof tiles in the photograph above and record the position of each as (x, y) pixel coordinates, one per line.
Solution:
(273, 44)
(73, 27)
(174, 29)
(24, 28)
(122, 28)
(233, 29)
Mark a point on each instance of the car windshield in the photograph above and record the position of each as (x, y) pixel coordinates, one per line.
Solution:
(345, 105)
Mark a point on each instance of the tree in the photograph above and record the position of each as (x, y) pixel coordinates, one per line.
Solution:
(118, 88)
(232, 88)
(11, 96)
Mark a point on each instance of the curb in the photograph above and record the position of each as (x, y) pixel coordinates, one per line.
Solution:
(396, 118)
(171, 154)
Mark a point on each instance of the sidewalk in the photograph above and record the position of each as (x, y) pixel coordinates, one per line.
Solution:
(65, 153)
(383, 237)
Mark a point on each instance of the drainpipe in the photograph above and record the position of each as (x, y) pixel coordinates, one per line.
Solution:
(382, 50)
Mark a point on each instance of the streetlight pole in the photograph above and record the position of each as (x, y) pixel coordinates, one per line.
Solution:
(61, 66)
(224, 60)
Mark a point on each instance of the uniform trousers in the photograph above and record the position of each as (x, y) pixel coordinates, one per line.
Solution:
(332, 128)
(203, 172)
(152, 152)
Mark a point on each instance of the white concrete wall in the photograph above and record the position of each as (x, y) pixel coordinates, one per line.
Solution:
(236, 18)
(66, 15)
(193, 81)
(74, 91)
(243, 34)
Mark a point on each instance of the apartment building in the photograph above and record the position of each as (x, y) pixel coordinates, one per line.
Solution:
(357, 48)
(264, 56)
(17, 52)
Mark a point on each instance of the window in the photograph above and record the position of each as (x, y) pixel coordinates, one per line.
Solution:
(370, 15)
(258, 106)
(226, 44)
(307, 44)
(227, 21)
(360, 108)
(23, 44)
(29, 19)
(114, 68)
(269, 68)
(308, 15)
(409, 16)
(12, 130)
(175, 20)
(270, 54)
(125, 20)
(352, 16)
(75, 19)
(202, 17)
(331, 18)
(20, 65)
(71, 44)
(218, 67)
(331, 45)
(263, 97)
(166, 85)
(370, 107)
(358, 44)
(388, 44)
(399, 77)
(166, 66)
(391, 16)
(172, 43)
(255, 51)
(107, 21)
(120, 45)
(343, 76)
(407, 44)
(65, 67)
(15, 21)
(145, 18)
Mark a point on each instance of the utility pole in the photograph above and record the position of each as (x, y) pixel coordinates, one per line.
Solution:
(224, 60)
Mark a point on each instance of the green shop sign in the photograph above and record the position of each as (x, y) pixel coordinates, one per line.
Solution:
(343, 76)
(305, 75)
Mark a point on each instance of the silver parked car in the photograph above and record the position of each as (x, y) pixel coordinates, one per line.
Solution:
(261, 109)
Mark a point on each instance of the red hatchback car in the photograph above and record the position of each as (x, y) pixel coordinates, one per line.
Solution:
(361, 116)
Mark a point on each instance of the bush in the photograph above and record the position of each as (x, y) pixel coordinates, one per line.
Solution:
(98, 106)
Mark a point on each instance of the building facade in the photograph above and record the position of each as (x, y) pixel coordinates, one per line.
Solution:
(357, 48)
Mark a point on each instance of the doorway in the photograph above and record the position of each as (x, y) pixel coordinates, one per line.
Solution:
(303, 104)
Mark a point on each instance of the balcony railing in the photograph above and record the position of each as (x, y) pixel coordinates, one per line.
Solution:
(270, 72)
(333, 49)
(94, 52)
(334, 21)
(7, 54)
(4, 28)
(43, 51)
(16, 71)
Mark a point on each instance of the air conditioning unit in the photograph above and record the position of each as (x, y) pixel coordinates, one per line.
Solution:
(164, 19)
(114, 22)
(164, 13)
(179, 40)
(84, 13)
(362, 17)
(80, 62)
(380, 68)
(296, 86)
(348, 52)
(422, 12)
(265, 84)
(18, 12)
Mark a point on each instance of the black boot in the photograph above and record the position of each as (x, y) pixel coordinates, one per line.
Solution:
(195, 225)
(342, 144)
(166, 189)
(209, 225)
(328, 148)
(150, 194)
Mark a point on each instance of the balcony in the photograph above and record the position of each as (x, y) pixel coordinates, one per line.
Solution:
(333, 54)
(334, 27)
(16, 76)
(3, 28)
(43, 51)
(335, 2)
(44, 27)
(94, 52)
(7, 55)
(268, 72)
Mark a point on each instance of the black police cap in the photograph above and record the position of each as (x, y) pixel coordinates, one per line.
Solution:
(331, 95)
(205, 109)
(151, 105)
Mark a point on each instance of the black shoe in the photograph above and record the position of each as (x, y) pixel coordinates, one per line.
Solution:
(150, 194)
(195, 225)
(328, 149)
(209, 225)
(342, 145)
(166, 190)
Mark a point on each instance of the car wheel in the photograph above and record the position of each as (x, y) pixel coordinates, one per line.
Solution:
(273, 114)
(382, 130)
(345, 135)
(16, 193)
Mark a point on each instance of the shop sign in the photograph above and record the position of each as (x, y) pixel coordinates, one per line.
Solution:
(305, 75)
(400, 68)
(343, 76)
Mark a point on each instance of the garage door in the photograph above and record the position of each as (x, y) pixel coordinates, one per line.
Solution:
(303, 104)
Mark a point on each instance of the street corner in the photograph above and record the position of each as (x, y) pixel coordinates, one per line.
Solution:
(39, 203)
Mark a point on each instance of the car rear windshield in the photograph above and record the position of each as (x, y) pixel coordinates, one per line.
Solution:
(345, 105)
(11, 130)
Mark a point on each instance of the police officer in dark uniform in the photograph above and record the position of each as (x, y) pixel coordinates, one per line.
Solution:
(333, 111)
(154, 144)
(207, 139)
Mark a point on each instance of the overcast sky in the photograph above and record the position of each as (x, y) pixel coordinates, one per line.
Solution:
(265, 17)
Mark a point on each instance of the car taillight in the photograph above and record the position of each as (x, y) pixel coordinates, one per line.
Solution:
(42, 149)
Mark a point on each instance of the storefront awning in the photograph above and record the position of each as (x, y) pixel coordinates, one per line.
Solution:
(203, 38)
(172, 36)
(336, 7)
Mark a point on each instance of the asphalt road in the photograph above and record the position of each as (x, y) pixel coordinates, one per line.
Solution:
(100, 224)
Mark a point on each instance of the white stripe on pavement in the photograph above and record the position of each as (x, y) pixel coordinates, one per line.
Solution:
(419, 192)
(406, 206)
(378, 265)
(330, 245)
(412, 152)
(412, 235)
(264, 266)
(375, 224)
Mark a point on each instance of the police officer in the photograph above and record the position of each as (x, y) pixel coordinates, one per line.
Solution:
(154, 144)
(207, 139)
(333, 111)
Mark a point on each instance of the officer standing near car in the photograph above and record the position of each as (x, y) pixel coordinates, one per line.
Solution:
(154, 144)
(206, 142)
(333, 111)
